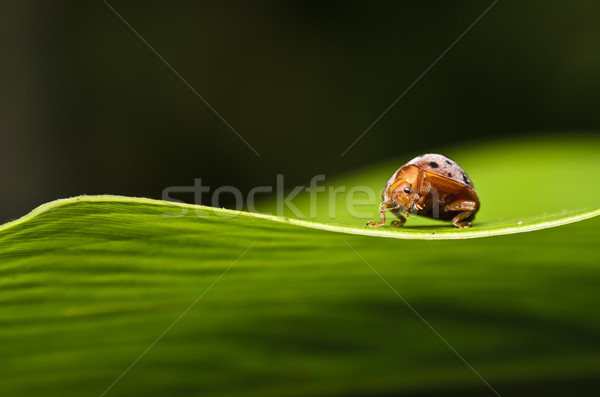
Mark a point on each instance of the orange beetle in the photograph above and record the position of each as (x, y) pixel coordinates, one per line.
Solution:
(430, 185)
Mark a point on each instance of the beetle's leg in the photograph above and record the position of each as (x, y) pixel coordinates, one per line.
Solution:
(467, 207)
(424, 187)
(383, 208)
(401, 221)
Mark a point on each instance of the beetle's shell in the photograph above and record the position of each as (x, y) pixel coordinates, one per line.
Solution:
(442, 166)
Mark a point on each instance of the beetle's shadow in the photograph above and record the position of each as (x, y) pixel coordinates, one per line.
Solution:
(424, 227)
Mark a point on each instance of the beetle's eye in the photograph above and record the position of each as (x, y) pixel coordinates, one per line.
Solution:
(407, 190)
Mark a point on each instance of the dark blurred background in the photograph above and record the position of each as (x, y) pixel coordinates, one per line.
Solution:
(87, 108)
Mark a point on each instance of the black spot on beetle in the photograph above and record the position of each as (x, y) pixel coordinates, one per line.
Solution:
(433, 164)
(421, 156)
(450, 174)
(465, 178)
(448, 162)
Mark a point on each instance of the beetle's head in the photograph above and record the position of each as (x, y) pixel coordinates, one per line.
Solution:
(401, 189)
(404, 198)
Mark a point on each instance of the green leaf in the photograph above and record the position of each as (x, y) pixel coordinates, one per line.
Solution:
(208, 303)
(430, 232)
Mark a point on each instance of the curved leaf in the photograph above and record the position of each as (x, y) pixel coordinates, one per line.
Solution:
(125, 296)
(163, 213)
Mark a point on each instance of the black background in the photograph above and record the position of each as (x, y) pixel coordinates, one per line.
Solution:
(87, 108)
